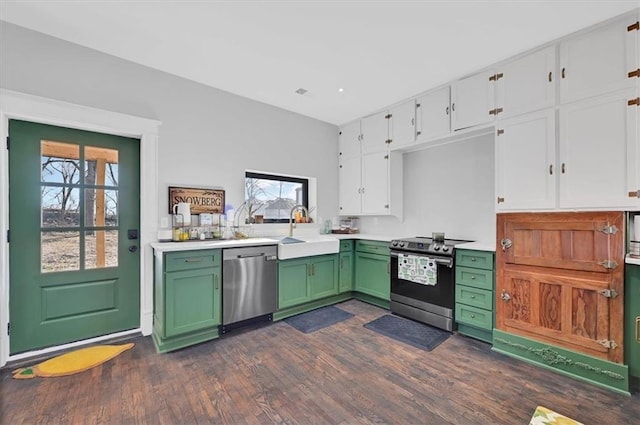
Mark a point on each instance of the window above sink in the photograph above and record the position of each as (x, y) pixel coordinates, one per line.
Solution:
(270, 197)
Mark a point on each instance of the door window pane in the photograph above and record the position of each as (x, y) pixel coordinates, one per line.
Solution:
(59, 206)
(100, 249)
(59, 162)
(101, 166)
(60, 251)
(101, 207)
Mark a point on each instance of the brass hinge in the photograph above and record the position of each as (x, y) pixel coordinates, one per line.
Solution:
(386, 157)
(496, 77)
(388, 141)
(635, 73)
(635, 101)
(495, 111)
(609, 230)
(608, 293)
(417, 105)
(635, 194)
(500, 199)
(607, 343)
(492, 78)
(388, 116)
(635, 26)
(500, 131)
(608, 264)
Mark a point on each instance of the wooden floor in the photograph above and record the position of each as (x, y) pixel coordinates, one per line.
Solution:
(343, 374)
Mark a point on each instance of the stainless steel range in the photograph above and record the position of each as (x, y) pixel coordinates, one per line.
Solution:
(422, 279)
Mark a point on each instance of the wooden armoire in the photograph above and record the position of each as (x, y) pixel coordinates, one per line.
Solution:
(560, 280)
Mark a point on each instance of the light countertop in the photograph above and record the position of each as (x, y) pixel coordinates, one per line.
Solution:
(477, 246)
(160, 247)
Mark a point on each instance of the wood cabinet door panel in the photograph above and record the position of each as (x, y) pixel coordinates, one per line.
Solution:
(550, 285)
(552, 241)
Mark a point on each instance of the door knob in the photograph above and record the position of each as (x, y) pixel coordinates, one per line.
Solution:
(133, 248)
(506, 244)
(505, 296)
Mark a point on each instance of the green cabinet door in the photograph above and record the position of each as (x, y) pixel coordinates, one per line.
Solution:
(372, 275)
(632, 319)
(323, 281)
(293, 288)
(346, 272)
(192, 300)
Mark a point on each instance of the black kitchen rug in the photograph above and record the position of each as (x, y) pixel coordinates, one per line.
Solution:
(413, 333)
(318, 319)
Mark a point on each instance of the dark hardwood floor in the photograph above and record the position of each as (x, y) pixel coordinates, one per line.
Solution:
(343, 374)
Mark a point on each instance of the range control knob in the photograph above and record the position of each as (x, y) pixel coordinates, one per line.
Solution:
(394, 243)
(445, 248)
(401, 244)
(436, 248)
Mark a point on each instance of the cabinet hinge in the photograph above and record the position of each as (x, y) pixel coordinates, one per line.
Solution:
(609, 230)
(635, 73)
(607, 343)
(8, 236)
(634, 27)
(635, 101)
(500, 199)
(9, 328)
(499, 131)
(608, 264)
(635, 194)
(388, 116)
(493, 77)
(495, 111)
(388, 141)
(386, 157)
(417, 105)
(387, 206)
(499, 75)
(8, 142)
(608, 293)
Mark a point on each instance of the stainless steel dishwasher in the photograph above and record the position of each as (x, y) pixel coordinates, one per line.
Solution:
(249, 285)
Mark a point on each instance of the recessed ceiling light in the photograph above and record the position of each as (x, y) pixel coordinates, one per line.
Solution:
(340, 90)
(301, 91)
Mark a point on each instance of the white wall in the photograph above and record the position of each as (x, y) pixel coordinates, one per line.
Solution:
(208, 137)
(449, 189)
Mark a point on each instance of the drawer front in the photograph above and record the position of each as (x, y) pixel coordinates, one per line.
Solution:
(477, 278)
(373, 247)
(474, 316)
(346, 245)
(191, 260)
(479, 259)
(475, 297)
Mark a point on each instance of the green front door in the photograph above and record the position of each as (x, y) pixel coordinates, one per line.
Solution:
(74, 208)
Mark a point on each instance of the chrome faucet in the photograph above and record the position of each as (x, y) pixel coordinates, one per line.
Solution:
(291, 223)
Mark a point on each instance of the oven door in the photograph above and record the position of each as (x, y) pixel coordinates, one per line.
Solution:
(441, 294)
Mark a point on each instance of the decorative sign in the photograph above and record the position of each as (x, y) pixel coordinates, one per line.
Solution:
(201, 200)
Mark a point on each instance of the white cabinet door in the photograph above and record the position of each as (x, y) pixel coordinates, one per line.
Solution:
(402, 125)
(525, 162)
(527, 84)
(349, 140)
(598, 62)
(375, 183)
(375, 132)
(433, 114)
(349, 186)
(472, 99)
(599, 152)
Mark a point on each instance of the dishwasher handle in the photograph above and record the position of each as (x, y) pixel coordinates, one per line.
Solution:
(260, 254)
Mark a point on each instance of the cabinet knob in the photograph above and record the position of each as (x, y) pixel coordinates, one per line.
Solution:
(550, 169)
(453, 107)
(473, 297)
(562, 168)
(473, 316)
(446, 110)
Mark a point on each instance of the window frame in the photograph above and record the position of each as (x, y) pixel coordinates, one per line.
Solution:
(279, 178)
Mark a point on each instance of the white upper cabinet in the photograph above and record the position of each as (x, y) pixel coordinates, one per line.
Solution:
(525, 162)
(375, 183)
(598, 152)
(526, 84)
(350, 186)
(599, 61)
(472, 100)
(375, 132)
(349, 140)
(433, 114)
(402, 124)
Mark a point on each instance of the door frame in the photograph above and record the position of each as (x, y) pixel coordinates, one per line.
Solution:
(22, 106)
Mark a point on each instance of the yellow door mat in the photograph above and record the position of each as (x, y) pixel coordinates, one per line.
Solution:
(73, 362)
(544, 416)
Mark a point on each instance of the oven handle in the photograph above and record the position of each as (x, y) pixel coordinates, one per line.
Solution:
(447, 261)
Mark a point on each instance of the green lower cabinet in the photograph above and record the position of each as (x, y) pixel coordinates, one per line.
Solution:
(306, 279)
(346, 272)
(187, 298)
(372, 275)
(632, 319)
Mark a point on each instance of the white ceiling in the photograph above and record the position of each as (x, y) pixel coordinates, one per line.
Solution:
(380, 52)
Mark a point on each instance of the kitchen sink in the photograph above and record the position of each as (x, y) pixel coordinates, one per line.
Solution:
(306, 246)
